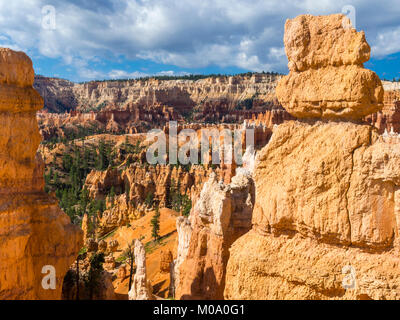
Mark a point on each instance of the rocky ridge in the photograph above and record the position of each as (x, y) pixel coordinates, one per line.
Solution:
(61, 95)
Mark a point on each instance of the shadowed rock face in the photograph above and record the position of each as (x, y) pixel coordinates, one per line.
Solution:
(327, 193)
(34, 232)
(327, 78)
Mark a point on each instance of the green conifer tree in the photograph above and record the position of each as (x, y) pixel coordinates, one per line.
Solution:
(155, 223)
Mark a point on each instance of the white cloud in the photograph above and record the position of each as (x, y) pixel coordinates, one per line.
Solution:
(86, 73)
(121, 74)
(189, 34)
(387, 42)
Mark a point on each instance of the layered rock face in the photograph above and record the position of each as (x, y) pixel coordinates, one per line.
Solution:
(326, 217)
(61, 95)
(34, 232)
(220, 216)
(166, 259)
(134, 106)
(326, 78)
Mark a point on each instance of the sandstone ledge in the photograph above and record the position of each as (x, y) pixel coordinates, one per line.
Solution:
(293, 267)
(347, 92)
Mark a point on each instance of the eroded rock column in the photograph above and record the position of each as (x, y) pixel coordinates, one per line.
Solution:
(219, 217)
(34, 232)
(141, 287)
(325, 222)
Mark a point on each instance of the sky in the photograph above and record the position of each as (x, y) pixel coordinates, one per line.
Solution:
(84, 40)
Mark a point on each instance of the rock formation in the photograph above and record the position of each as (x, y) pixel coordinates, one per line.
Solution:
(91, 245)
(184, 230)
(102, 246)
(166, 259)
(389, 118)
(141, 287)
(327, 79)
(86, 227)
(325, 221)
(134, 106)
(101, 289)
(140, 182)
(35, 235)
(61, 95)
(219, 217)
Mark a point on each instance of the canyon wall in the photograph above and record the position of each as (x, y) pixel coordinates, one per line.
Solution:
(35, 235)
(61, 95)
(326, 216)
(134, 106)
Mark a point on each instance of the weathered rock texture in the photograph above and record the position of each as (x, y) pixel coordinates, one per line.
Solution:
(327, 197)
(134, 184)
(102, 290)
(184, 230)
(34, 232)
(220, 216)
(327, 78)
(166, 259)
(389, 118)
(344, 189)
(141, 287)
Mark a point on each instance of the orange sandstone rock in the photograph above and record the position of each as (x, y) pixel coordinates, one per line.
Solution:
(34, 232)
(267, 267)
(165, 261)
(327, 193)
(327, 78)
(313, 42)
(220, 216)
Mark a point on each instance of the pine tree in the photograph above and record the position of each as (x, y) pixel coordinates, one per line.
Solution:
(149, 199)
(84, 199)
(155, 223)
(112, 195)
(102, 159)
(93, 277)
(127, 189)
(186, 205)
(129, 253)
(55, 179)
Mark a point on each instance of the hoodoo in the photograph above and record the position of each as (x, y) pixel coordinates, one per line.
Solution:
(221, 215)
(326, 215)
(327, 79)
(35, 235)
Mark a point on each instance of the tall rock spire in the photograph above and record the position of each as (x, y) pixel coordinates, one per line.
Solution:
(327, 78)
(325, 219)
(37, 241)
